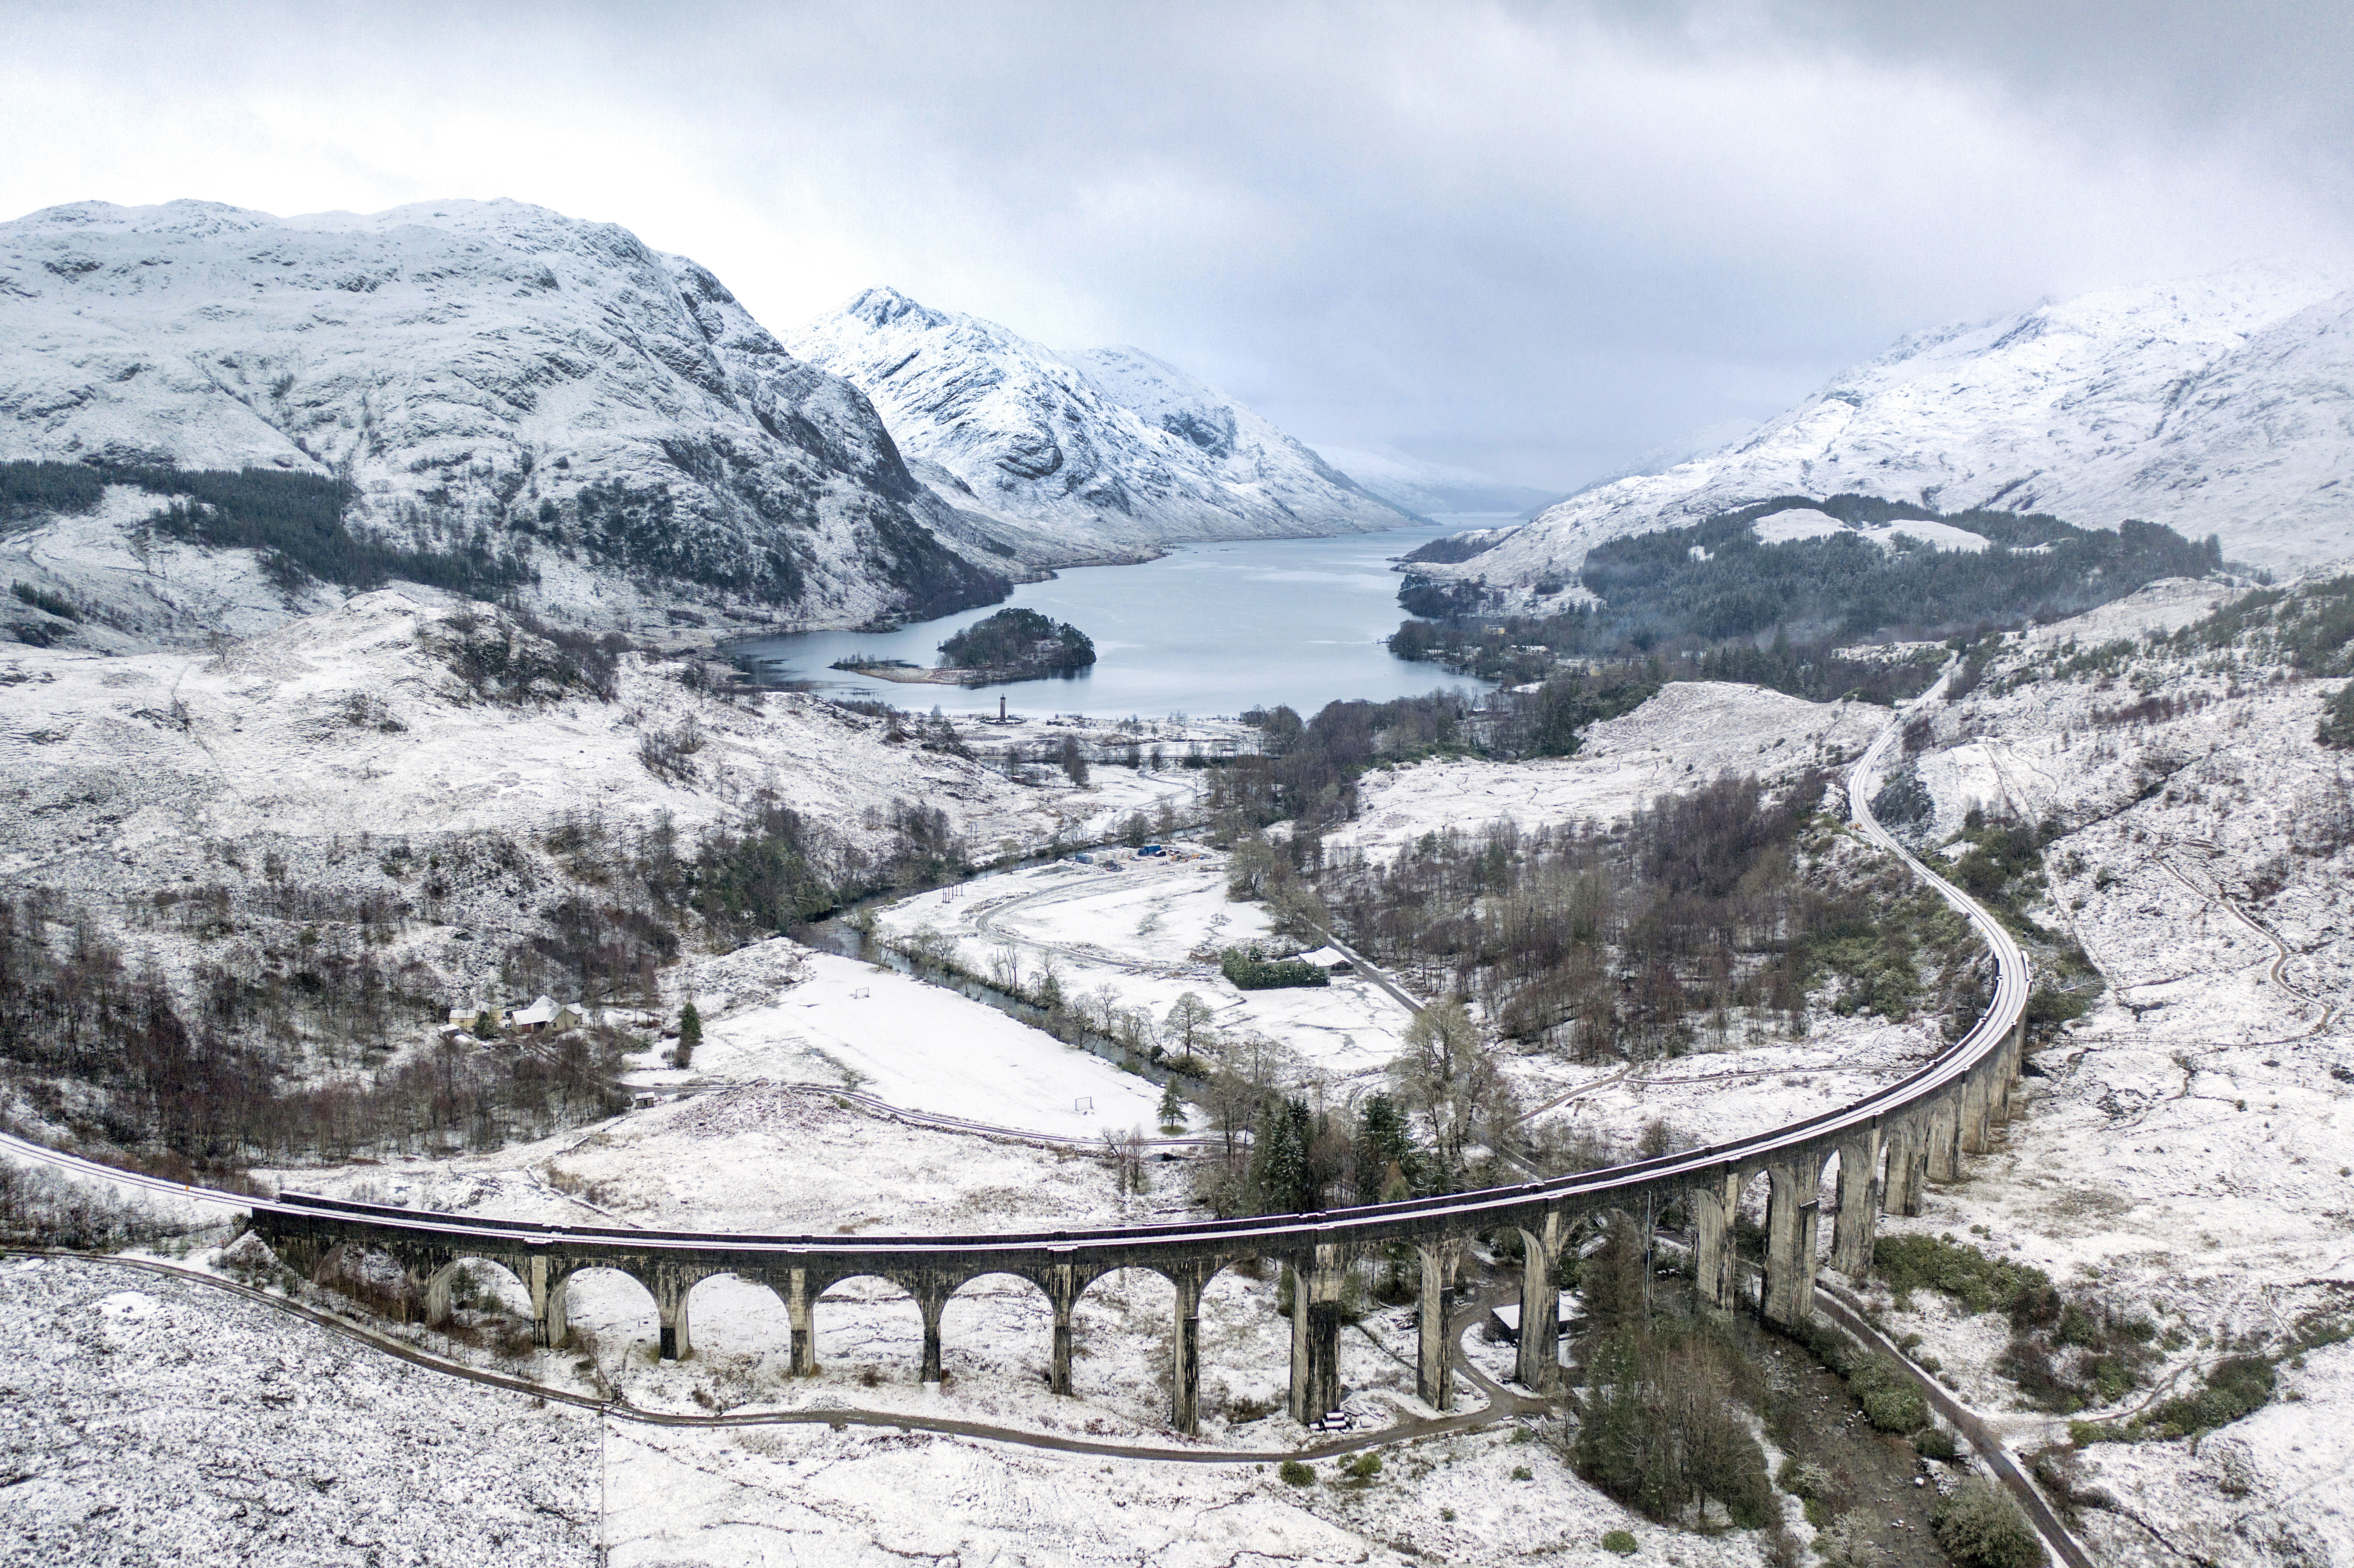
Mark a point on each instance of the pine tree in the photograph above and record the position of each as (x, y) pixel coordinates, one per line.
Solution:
(690, 1033)
(1172, 1109)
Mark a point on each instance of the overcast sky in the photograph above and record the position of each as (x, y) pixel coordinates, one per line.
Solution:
(1537, 239)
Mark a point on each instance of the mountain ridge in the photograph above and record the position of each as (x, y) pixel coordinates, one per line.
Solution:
(2220, 405)
(1083, 454)
(476, 370)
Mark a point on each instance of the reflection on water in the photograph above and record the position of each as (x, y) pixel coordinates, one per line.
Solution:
(1208, 630)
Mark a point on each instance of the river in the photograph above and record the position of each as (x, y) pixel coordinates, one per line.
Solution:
(1208, 630)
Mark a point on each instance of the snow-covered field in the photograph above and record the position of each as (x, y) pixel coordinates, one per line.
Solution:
(1807, 523)
(749, 1497)
(1150, 928)
(921, 1047)
(153, 1420)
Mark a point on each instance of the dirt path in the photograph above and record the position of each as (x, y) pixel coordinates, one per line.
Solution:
(1969, 1424)
(2278, 971)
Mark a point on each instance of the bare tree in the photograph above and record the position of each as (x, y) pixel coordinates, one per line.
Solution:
(1448, 1075)
(1189, 1021)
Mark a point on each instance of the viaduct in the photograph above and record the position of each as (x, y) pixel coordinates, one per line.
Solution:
(1886, 1146)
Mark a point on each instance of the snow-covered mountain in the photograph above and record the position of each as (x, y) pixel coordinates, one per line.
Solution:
(477, 365)
(1433, 489)
(1100, 454)
(2223, 405)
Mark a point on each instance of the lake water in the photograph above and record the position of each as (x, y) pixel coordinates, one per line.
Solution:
(1208, 630)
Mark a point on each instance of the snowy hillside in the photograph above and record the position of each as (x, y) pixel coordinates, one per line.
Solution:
(606, 409)
(346, 754)
(1103, 454)
(2224, 405)
(1433, 489)
(2187, 1146)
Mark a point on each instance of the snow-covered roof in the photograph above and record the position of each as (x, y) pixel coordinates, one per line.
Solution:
(541, 1012)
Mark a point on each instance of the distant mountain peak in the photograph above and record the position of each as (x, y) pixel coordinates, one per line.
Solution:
(2213, 405)
(886, 306)
(485, 370)
(1431, 489)
(1081, 455)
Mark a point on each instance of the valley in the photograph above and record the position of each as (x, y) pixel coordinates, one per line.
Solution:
(808, 1062)
(656, 921)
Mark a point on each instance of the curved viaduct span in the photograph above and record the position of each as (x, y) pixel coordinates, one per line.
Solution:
(1887, 1144)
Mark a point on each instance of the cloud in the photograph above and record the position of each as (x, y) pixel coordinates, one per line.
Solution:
(1530, 238)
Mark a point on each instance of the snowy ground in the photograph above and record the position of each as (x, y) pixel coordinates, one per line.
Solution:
(153, 1420)
(750, 1497)
(165, 1421)
(1749, 1086)
(271, 745)
(2188, 1148)
(1690, 734)
(1151, 928)
(914, 1045)
(2274, 1488)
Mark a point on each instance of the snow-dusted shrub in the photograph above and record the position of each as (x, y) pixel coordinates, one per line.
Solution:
(1248, 971)
(669, 753)
(1803, 1479)
(1979, 1283)
(1934, 1443)
(2338, 719)
(1891, 1401)
(1980, 1527)
(506, 656)
(1664, 1431)
(1846, 1545)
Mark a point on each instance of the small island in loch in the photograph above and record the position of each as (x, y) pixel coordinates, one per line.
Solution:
(1012, 645)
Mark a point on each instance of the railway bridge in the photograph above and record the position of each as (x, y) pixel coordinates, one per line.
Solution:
(1885, 1146)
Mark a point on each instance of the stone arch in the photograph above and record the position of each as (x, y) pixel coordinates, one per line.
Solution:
(1121, 1326)
(868, 1321)
(385, 1278)
(1006, 1328)
(1238, 1333)
(514, 1295)
(1755, 1199)
(1850, 1181)
(735, 1313)
(605, 1308)
(1907, 1141)
(1942, 1121)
